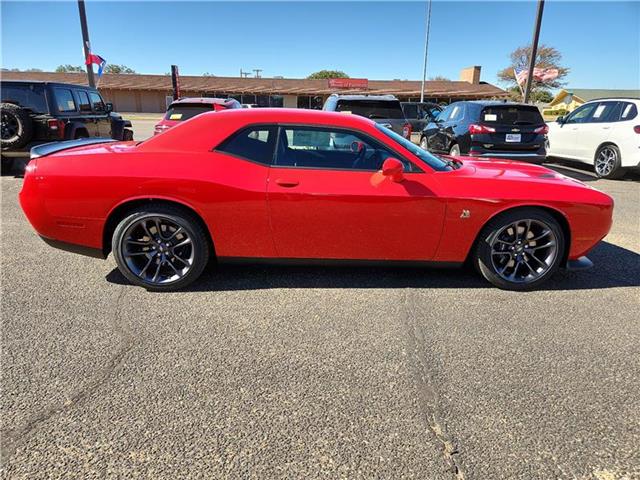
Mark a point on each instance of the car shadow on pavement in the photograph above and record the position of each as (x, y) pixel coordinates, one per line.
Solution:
(613, 267)
(582, 171)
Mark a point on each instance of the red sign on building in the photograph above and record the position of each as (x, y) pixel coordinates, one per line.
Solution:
(349, 83)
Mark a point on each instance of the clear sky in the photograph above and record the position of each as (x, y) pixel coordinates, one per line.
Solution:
(600, 41)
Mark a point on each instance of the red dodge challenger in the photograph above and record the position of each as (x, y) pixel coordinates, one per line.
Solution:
(279, 184)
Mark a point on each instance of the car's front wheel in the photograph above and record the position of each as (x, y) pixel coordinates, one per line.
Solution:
(160, 247)
(608, 162)
(519, 250)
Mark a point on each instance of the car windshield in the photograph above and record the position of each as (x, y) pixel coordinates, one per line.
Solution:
(371, 108)
(27, 96)
(511, 115)
(185, 111)
(433, 161)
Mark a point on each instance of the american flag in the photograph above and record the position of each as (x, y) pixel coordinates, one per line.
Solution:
(539, 74)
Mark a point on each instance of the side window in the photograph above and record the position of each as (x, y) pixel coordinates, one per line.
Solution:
(96, 102)
(444, 114)
(606, 112)
(253, 143)
(629, 111)
(457, 113)
(64, 100)
(317, 147)
(410, 111)
(83, 100)
(582, 114)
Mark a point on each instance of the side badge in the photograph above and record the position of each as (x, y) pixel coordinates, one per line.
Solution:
(465, 214)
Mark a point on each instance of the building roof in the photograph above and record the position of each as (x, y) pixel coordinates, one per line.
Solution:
(283, 86)
(587, 94)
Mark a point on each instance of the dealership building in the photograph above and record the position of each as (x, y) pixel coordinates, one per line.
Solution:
(150, 93)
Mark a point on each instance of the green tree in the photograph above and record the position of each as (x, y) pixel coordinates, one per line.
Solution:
(115, 68)
(328, 74)
(546, 57)
(69, 69)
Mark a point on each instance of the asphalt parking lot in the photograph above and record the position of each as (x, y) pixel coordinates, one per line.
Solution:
(269, 372)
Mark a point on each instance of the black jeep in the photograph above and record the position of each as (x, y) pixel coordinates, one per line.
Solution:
(41, 112)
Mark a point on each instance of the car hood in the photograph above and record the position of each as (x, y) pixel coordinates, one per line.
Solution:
(509, 170)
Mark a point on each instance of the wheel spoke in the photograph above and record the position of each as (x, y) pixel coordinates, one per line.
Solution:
(144, 270)
(186, 241)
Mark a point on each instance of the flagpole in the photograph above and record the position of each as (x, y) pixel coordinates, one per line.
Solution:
(426, 50)
(534, 49)
(85, 42)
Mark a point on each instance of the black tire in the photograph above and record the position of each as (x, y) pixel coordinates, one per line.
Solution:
(127, 135)
(454, 150)
(171, 215)
(489, 238)
(81, 133)
(17, 126)
(607, 163)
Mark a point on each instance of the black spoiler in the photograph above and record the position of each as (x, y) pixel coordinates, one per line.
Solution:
(53, 147)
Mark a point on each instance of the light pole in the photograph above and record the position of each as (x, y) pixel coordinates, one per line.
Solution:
(85, 42)
(426, 51)
(534, 50)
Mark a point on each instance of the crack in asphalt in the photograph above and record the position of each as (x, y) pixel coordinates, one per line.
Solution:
(428, 398)
(12, 438)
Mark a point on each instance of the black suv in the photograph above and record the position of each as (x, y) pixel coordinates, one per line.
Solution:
(515, 131)
(41, 112)
(383, 109)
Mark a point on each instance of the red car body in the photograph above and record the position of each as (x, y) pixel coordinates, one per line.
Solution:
(77, 196)
(190, 107)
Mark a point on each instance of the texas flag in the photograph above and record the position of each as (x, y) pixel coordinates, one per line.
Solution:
(98, 60)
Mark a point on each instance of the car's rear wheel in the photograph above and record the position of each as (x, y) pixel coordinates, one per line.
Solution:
(454, 151)
(519, 250)
(161, 247)
(608, 162)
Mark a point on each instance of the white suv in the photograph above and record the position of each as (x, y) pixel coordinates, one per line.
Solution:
(605, 133)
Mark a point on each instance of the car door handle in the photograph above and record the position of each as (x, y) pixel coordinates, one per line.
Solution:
(287, 183)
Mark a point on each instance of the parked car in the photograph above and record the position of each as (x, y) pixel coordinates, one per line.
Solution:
(186, 108)
(419, 115)
(604, 133)
(383, 109)
(270, 184)
(487, 129)
(40, 112)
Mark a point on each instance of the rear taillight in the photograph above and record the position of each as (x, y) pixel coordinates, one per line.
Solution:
(542, 130)
(475, 129)
(406, 131)
(636, 129)
(56, 127)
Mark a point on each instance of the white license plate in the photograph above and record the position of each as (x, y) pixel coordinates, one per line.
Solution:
(513, 137)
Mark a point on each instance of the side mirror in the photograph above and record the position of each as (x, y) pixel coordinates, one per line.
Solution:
(560, 120)
(109, 107)
(393, 168)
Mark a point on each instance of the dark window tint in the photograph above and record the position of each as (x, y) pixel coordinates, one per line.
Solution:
(511, 115)
(629, 111)
(64, 100)
(83, 100)
(606, 112)
(96, 102)
(582, 114)
(317, 147)
(371, 108)
(253, 143)
(410, 110)
(30, 97)
(185, 111)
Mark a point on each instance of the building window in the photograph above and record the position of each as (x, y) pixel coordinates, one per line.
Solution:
(248, 99)
(317, 102)
(304, 101)
(263, 100)
(276, 101)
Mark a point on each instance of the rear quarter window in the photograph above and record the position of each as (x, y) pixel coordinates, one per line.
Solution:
(64, 100)
(629, 111)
